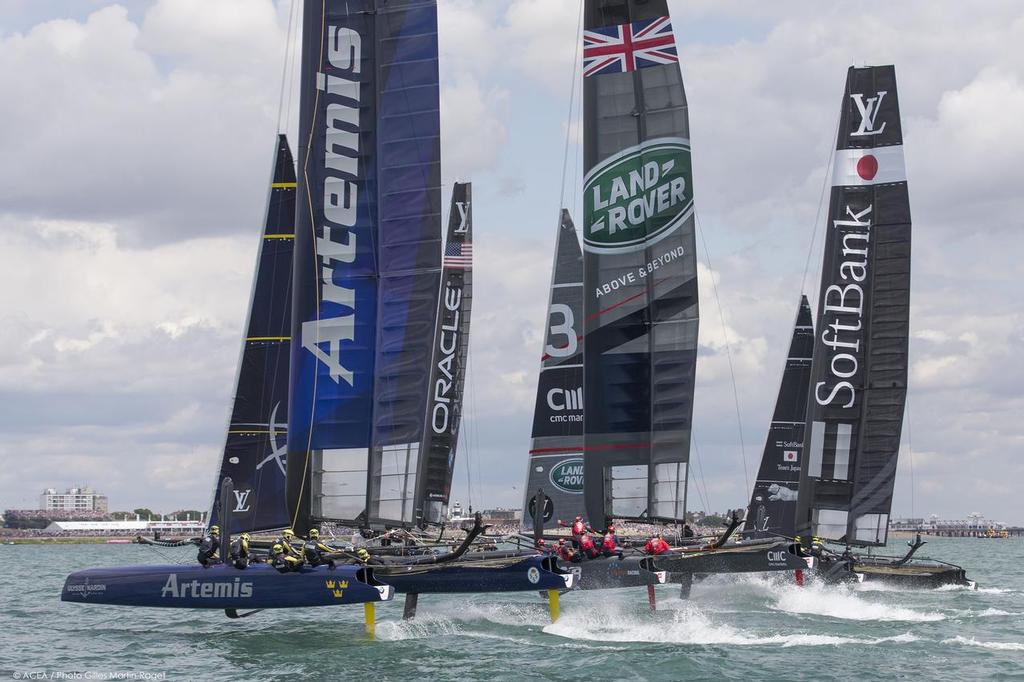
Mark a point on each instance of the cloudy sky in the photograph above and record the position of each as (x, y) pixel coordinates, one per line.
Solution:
(137, 139)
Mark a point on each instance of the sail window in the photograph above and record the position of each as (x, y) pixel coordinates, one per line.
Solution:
(669, 487)
(341, 474)
(397, 481)
(628, 486)
(829, 523)
(871, 528)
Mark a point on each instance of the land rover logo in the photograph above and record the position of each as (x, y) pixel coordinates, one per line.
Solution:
(567, 475)
(638, 196)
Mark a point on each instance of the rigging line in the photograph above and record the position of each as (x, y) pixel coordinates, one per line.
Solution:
(910, 454)
(467, 429)
(821, 202)
(312, 222)
(572, 97)
(293, 82)
(704, 498)
(284, 67)
(728, 350)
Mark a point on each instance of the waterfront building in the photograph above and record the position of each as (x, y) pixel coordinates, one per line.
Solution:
(81, 499)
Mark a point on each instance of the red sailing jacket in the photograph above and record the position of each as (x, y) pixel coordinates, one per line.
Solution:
(656, 546)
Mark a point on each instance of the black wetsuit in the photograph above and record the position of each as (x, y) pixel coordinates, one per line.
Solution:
(240, 552)
(313, 551)
(208, 547)
(284, 562)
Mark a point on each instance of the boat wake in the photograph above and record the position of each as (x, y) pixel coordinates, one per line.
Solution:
(688, 624)
(421, 627)
(834, 601)
(1000, 646)
(841, 602)
(967, 588)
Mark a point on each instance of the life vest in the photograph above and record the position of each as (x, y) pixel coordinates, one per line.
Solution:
(239, 548)
(609, 542)
(578, 528)
(209, 546)
(586, 542)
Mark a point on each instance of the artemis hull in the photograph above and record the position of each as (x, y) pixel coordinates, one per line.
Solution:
(221, 586)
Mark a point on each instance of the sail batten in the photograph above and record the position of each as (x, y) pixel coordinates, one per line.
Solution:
(640, 273)
(859, 371)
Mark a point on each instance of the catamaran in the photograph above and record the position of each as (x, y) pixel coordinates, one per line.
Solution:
(613, 417)
(858, 377)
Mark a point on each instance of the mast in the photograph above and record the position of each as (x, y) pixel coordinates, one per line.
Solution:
(859, 375)
(368, 257)
(257, 431)
(640, 268)
(448, 368)
(772, 509)
(556, 445)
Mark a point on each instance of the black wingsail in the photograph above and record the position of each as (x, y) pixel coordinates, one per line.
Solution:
(859, 374)
(556, 445)
(448, 369)
(772, 509)
(254, 454)
(640, 268)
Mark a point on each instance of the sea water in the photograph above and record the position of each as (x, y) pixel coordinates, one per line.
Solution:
(745, 627)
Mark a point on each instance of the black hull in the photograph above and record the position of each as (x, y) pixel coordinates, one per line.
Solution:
(611, 572)
(482, 574)
(740, 558)
(914, 574)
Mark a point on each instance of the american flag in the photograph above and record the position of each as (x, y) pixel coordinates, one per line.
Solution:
(627, 47)
(458, 255)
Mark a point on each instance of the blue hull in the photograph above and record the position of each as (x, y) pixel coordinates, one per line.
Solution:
(526, 574)
(224, 587)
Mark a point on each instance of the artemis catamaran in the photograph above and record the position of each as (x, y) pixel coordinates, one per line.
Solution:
(377, 347)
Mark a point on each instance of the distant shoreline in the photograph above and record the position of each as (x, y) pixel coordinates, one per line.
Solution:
(81, 540)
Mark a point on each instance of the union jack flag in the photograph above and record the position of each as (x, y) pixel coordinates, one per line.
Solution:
(458, 255)
(627, 47)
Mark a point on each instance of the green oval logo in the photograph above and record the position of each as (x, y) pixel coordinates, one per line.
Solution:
(638, 196)
(567, 475)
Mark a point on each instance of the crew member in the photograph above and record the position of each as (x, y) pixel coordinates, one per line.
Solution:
(208, 547)
(313, 550)
(282, 560)
(290, 544)
(240, 551)
(610, 543)
(365, 557)
(817, 546)
(542, 547)
(687, 531)
(565, 551)
(656, 545)
(577, 528)
(587, 548)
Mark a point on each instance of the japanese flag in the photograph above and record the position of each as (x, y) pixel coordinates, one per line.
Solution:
(789, 455)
